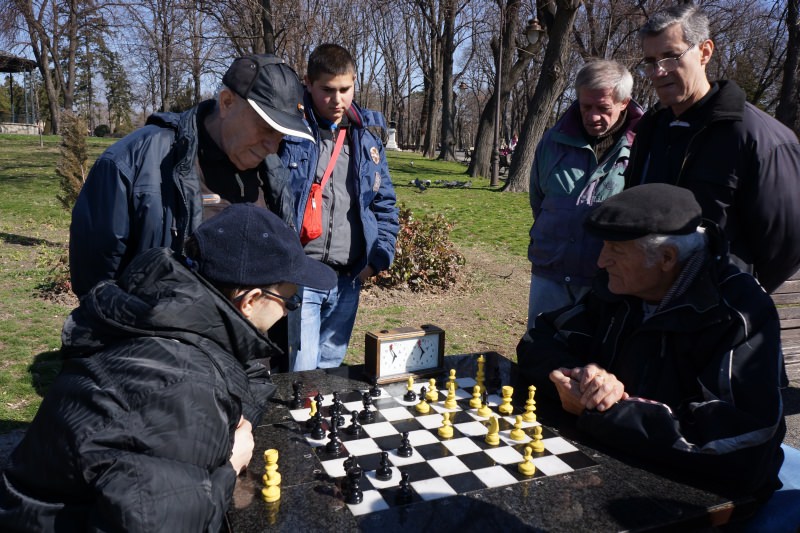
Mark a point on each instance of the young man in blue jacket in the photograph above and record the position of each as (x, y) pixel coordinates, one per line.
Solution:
(357, 218)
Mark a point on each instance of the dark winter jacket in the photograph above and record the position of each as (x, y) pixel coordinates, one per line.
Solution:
(743, 167)
(378, 212)
(136, 432)
(567, 182)
(702, 373)
(145, 191)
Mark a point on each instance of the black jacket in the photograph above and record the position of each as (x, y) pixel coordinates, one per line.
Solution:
(136, 432)
(703, 371)
(145, 191)
(744, 168)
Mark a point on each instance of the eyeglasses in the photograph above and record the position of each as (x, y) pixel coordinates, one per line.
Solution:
(291, 303)
(668, 64)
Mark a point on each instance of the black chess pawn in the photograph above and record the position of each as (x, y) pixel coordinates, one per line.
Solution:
(405, 493)
(296, 402)
(334, 446)
(366, 415)
(375, 391)
(336, 409)
(354, 493)
(410, 396)
(355, 427)
(405, 449)
(317, 431)
(484, 397)
(384, 472)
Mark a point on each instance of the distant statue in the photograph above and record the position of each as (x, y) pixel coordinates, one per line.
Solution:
(391, 144)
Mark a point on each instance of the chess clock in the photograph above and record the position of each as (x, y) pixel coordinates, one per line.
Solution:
(395, 354)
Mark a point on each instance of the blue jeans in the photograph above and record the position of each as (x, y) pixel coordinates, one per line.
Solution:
(549, 295)
(326, 323)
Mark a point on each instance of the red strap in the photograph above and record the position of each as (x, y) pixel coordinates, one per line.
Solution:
(334, 156)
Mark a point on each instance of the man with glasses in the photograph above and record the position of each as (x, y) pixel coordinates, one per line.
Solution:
(150, 420)
(742, 165)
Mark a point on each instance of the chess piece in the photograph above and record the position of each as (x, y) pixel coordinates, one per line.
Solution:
(422, 406)
(537, 444)
(526, 467)
(334, 446)
(494, 383)
(450, 401)
(384, 472)
(452, 378)
(475, 402)
(375, 391)
(517, 433)
(493, 436)
(355, 427)
(366, 414)
(410, 395)
(336, 408)
(405, 449)
(433, 394)
(530, 406)
(405, 494)
(297, 402)
(484, 410)
(479, 376)
(312, 412)
(271, 478)
(446, 430)
(317, 431)
(354, 493)
(506, 408)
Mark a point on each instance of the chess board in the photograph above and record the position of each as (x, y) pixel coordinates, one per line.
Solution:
(438, 468)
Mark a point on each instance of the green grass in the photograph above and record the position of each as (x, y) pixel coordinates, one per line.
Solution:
(34, 232)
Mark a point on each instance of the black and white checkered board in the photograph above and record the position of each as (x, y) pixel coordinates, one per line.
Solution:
(439, 467)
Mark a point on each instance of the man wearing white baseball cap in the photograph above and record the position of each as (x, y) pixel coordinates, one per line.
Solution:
(154, 187)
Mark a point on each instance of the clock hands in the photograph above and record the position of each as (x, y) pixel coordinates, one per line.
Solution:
(391, 350)
(421, 349)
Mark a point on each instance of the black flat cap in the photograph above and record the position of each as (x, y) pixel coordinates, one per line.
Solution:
(645, 209)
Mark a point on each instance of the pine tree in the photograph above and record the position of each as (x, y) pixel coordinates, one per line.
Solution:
(72, 163)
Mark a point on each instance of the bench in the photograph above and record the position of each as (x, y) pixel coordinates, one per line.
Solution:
(787, 300)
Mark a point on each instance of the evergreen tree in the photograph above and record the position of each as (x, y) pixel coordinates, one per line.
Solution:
(72, 164)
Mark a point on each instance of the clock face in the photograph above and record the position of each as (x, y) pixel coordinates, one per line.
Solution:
(409, 355)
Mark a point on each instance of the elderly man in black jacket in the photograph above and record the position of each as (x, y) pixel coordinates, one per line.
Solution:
(149, 422)
(674, 355)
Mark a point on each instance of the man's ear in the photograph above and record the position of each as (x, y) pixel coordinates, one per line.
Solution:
(226, 101)
(669, 258)
(706, 50)
(246, 302)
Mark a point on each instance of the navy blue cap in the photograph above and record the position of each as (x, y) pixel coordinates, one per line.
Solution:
(249, 246)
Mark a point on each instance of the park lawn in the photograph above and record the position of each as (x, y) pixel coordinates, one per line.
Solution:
(34, 232)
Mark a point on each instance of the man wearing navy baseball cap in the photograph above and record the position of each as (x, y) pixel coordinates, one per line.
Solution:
(150, 420)
(674, 355)
(154, 187)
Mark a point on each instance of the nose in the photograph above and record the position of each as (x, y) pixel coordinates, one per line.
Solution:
(603, 261)
(272, 141)
(658, 72)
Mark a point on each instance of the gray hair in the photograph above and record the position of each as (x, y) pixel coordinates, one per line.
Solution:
(692, 20)
(605, 74)
(686, 245)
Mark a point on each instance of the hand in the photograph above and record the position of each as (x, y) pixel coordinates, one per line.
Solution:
(599, 388)
(365, 274)
(569, 390)
(242, 445)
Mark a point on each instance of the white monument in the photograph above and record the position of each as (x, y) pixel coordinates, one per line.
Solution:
(391, 144)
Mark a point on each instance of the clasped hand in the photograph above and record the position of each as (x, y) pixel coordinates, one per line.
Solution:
(588, 387)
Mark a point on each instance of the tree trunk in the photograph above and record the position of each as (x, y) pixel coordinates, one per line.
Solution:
(266, 24)
(552, 82)
(787, 111)
(448, 141)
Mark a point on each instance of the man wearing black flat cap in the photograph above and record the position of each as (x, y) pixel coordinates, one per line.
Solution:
(155, 186)
(674, 355)
(150, 420)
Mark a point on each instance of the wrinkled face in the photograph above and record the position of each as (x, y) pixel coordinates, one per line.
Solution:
(629, 274)
(687, 84)
(599, 111)
(269, 309)
(332, 95)
(245, 137)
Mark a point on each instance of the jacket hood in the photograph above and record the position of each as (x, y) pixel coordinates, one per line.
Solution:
(159, 296)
